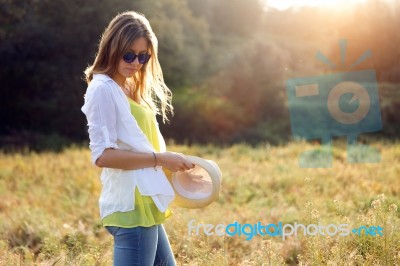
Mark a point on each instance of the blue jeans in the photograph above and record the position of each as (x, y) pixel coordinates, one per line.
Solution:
(145, 246)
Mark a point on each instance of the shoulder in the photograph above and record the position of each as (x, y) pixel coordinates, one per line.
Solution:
(101, 86)
(101, 91)
(101, 82)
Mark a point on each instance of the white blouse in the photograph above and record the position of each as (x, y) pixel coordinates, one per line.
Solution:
(111, 125)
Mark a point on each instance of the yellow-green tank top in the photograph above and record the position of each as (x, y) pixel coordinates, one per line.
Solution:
(146, 212)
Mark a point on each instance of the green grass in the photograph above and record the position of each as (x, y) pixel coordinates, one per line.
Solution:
(49, 208)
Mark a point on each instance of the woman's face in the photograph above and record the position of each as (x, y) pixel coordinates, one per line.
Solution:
(126, 70)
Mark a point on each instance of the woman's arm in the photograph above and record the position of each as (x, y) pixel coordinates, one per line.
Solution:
(128, 160)
(100, 111)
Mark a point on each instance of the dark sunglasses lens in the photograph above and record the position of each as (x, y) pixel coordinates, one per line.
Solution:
(129, 57)
(143, 58)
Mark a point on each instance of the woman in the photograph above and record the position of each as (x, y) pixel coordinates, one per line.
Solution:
(125, 91)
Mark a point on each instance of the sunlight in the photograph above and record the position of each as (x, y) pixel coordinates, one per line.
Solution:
(285, 4)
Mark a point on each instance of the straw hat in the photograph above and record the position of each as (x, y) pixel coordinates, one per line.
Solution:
(197, 187)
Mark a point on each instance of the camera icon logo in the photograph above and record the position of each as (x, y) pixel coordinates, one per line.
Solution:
(338, 104)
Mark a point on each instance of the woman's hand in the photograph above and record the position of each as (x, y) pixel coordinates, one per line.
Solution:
(173, 161)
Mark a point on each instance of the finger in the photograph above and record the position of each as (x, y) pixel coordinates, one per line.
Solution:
(188, 163)
(188, 166)
(192, 165)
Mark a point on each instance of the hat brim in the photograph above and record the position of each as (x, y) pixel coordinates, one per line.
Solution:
(193, 192)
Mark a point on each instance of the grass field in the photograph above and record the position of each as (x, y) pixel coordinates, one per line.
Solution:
(49, 208)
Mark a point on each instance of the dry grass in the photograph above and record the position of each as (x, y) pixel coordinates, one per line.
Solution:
(49, 212)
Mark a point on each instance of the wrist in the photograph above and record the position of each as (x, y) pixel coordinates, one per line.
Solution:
(159, 158)
(154, 159)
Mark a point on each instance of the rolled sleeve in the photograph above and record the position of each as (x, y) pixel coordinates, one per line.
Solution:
(101, 114)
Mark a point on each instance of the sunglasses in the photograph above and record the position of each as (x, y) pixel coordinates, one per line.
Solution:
(129, 57)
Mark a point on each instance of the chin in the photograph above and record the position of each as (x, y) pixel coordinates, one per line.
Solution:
(131, 74)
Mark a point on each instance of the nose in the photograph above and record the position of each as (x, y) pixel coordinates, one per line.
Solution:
(136, 61)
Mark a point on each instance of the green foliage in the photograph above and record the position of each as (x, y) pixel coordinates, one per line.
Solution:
(234, 54)
(183, 41)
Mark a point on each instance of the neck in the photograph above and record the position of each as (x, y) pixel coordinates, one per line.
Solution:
(119, 80)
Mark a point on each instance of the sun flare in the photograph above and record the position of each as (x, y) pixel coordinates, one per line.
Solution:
(285, 4)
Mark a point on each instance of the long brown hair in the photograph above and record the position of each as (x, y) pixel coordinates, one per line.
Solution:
(148, 83)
